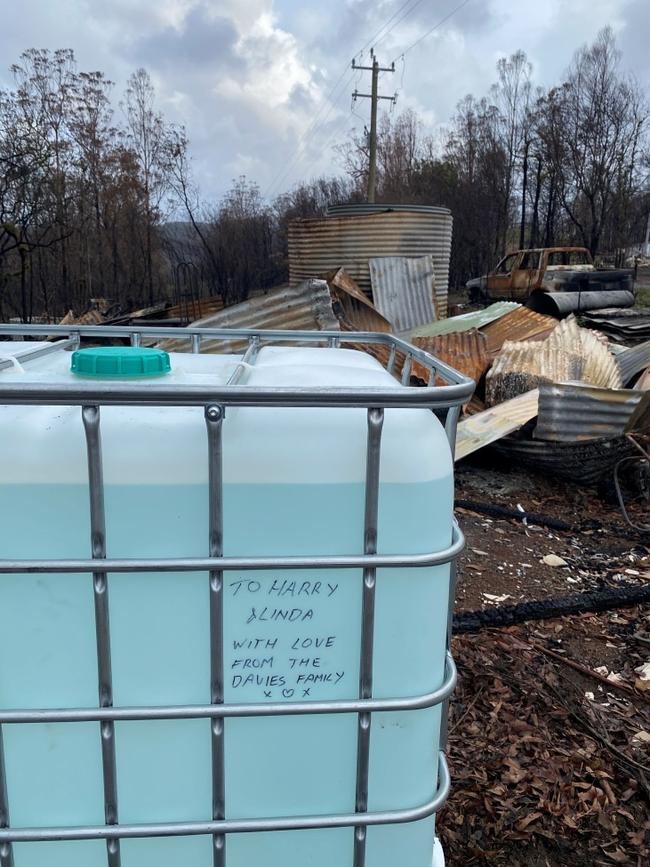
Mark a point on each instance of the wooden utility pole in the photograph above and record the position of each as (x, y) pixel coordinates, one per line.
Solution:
(374, 97)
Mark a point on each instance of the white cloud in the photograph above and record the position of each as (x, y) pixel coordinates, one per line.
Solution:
(248, 77)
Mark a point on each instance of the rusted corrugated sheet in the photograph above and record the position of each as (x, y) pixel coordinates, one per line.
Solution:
(354, 311)
(568, 354)
(321, 244)
(519, 324)
(484, 428)
(307, 307)
(634, 360)
(576, 412)
(403, 290)
(466, 352)
(474, 405)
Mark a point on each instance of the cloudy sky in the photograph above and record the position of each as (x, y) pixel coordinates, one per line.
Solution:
(263, 86)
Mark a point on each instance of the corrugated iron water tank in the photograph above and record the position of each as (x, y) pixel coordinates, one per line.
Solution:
(350, 235)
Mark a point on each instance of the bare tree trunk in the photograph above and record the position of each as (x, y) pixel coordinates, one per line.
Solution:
(538, 186)
(524, 191)
(23, 286)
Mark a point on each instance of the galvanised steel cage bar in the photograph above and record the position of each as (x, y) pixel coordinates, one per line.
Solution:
(90, 397)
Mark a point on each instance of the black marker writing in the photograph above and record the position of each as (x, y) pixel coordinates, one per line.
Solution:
(305, 643)
(274, 614)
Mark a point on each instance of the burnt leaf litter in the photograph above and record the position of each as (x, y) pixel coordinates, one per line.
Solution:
(549, 730)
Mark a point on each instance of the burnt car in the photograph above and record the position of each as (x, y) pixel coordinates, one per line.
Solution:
(555, 280)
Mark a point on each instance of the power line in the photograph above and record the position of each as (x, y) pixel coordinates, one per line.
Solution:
(400, 14)
(315, 123)
(374, 40)
(321, 126)
(435, 27)
(337, 129)
(283, 172)
(399, 20)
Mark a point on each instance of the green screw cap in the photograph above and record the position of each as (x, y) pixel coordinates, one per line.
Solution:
(120, 362)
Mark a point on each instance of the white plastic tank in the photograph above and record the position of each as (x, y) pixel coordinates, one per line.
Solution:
(293, 484)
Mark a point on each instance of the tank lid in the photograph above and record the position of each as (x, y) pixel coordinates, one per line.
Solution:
(360, 209)
(120, 362)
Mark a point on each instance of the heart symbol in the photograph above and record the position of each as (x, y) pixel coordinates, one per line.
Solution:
(288, 693)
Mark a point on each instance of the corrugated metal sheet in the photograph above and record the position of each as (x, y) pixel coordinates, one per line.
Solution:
(585, 463)
(520, 367)
(634, 360)
(473, 319)
(631, 325)
(640, 419)
(599, 366)
(321, 244)
(519, 324)
(644, 383)
(353, 310)
(305, 307)
(466, 352)
(568, 354)
(403, 290)
(575, 412)
(356, 313)
(474, 405)
(483, 428)
(191, 309)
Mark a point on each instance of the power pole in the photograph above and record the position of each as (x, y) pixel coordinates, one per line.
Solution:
(374, 97)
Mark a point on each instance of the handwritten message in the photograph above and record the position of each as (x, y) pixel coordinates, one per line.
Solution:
(284, 640)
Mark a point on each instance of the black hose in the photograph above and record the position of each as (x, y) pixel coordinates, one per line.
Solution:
(641, 463)
(503, 512)
(550, 522)
(558, 606)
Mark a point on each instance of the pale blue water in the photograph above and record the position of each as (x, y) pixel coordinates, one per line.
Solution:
(287, 635)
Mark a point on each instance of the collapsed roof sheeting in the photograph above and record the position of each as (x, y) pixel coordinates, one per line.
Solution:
(354, 310)
(632, 325)
(633, 360)
(518, 324)
(465, 351)
(306, 307)
(639, 421)
(576, 412)
(473, 319)
(569, 354)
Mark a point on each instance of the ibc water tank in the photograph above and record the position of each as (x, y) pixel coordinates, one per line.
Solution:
(207, 669)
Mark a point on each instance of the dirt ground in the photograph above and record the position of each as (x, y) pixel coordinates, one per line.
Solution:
(549, 741)
(504, 558)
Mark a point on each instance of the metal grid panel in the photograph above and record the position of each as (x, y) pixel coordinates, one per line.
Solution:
(90, 398)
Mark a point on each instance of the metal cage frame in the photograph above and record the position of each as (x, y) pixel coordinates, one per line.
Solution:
(90, 397)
